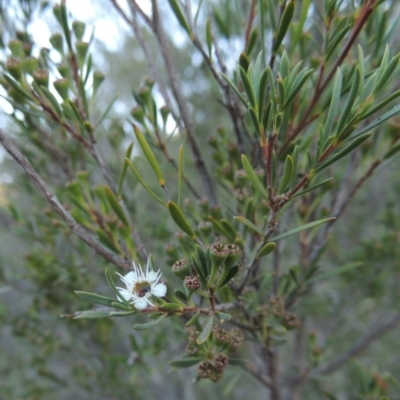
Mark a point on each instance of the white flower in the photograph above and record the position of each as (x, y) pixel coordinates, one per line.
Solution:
(140, 286)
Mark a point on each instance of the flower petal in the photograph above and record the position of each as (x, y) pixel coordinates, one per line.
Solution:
(151, 276)
(159, 290)
(126, 294)
(140, 303)
(130, 277)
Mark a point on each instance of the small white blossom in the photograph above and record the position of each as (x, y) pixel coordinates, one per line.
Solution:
(141, 285)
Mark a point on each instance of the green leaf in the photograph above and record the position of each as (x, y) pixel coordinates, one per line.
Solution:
(52, 100)
(247, 87)
(223, 317)
(317, 185)
(180, 16)
(115, 205)
(286, 174)
(350, 102)
(204, 335)
(262, 93)
(180, 175)
(266, 249)
(180, 220)
(334, 106)
(149, 155)
(124, 168)
(254, 120)
(209, 37)
(95, 298)
(186, 362)
(395, 110)
(337, 156)
(114, 288)
(335, 271)
(302, 228)
(121, 306)
(237, 362)
(143, 183)
(249, 224)
(15, 85)
(193, 319)
(151, 324)
(253, 177)
(92, 314)
(284, 25)
(230, 275)
(122, 313)
(106, 111)
(64, 24)
(235, 89)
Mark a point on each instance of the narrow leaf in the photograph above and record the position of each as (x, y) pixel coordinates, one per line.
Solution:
(253, 177)
(151, 324)
(124, 168)
(209, 37)
(247, 87)
(284, 25)
(334, 106)
(112, 200)
(235, 89)
(249, 224)
(95, 298)
(266, 249)
(143, 183)
(92, 314)
(204, 335)
(149, 155)
(180, 220)
(337, 156)
(286, 174)
(180, 16)
(302, 228)
(186, 362)
(180, 175)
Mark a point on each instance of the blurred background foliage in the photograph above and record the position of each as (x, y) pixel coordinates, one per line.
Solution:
(42, 263)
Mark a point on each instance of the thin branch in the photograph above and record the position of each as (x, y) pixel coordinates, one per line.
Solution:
(182, 104)
(58, 207)
(359, 346)
(256, 373)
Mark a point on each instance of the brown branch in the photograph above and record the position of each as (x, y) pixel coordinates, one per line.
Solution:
(250, 23)
(359, 346)
(319, 89)
(58, 207)
(182, 104)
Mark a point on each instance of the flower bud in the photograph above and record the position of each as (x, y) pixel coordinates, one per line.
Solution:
(220, 360)
(181, 269)
(14, 67)
(149, 82)
(64, 70)
(98, 78)
(291, 321)
(192, 282)
(236, 337)
(216, 375)
(221, 335)
(205, 228)
(41, 77)
(30, 65)
(240, 178)
(79, 29)
(138, 114)
(56, 41)
(16, 48)
(171, 251)
(57, 13)
(165, 111)
(62, 86)
(213, 141)
(81, 50)
(234, 254)
(241, 195)
(218, 254)
(205, 369)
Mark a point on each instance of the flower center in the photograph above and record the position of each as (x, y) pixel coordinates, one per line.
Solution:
(141, 289)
